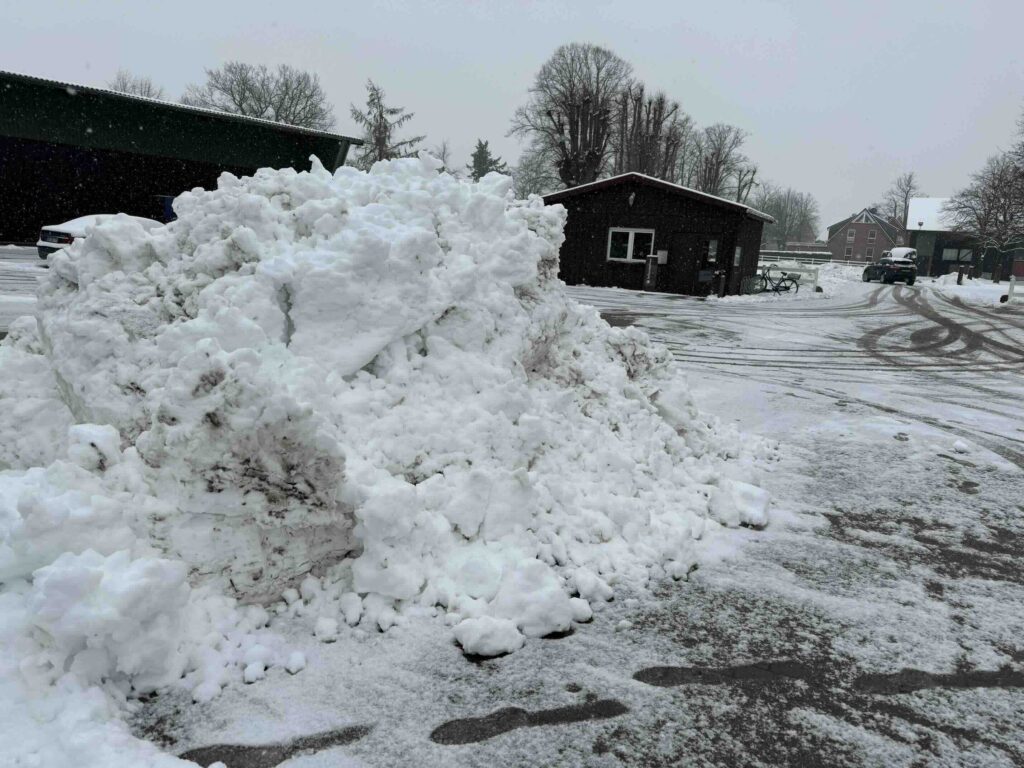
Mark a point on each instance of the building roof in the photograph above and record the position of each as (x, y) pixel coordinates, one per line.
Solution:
(73, 89)
(925, 213)
(555, 197)
(864, 216)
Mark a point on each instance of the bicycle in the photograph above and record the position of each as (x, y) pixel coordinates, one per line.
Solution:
(779, 285)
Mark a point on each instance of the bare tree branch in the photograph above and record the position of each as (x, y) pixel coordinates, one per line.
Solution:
(570, 109)
(137, 85)
(285, 95)
(795, 214)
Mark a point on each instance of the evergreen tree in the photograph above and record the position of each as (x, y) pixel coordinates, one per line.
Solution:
(483, 162)
(379, 123)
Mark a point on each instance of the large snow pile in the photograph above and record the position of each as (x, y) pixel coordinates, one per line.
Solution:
(374, 378)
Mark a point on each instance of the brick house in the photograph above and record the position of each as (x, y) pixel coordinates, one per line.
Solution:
(863, 236)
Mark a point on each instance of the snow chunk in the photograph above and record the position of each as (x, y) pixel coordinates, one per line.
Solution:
(326, 629)
(487, 636)
(737, 503)
(532, 596)
(296, 662)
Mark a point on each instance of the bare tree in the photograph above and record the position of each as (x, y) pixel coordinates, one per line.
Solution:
(536, 172)
(443, 152)
(991, 209)
(795, 214)
(137, 85)
(285, 95)
(744, 180)
(380, 123)
(719, 158)
(570, 108)
(690, 149)
(649, 132)
(897, 200)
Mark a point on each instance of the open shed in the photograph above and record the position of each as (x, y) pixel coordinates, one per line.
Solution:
(704, 243)
(69, 150)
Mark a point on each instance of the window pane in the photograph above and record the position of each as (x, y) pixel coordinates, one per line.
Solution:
(643, 243)
(851, 234)
(871, 234)
(712, 251)
(950, 254)
(737, 257)
(619, 248)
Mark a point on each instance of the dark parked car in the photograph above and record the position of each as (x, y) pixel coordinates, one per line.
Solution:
(891, 269)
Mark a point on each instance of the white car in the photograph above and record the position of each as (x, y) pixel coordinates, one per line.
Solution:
(54, 237)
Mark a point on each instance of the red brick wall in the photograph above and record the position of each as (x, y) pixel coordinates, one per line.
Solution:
(860, 244)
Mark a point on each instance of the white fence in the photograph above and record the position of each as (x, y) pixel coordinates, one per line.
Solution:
(809, 260)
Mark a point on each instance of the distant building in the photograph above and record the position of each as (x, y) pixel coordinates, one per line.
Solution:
(863, 237)
(703, 243)
(68, 150)
(941, 250)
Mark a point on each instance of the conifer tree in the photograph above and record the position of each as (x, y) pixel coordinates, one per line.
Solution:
(483, 162)
(379, 123)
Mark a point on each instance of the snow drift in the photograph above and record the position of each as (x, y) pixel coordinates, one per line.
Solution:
(374, 378)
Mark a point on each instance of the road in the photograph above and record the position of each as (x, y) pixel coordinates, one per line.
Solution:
(876, 622)
(19, 270)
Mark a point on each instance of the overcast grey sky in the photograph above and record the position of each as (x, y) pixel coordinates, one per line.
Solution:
(838, 97)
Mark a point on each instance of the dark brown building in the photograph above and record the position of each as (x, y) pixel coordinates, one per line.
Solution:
(864, 236)
(703, 243)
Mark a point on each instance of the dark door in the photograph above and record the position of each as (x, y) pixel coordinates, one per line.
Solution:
(694, 259)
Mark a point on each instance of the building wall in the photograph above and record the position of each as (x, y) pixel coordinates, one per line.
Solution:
(682, 226)
(861, 248)
(67, 152)
(930, 246)
(56, 183)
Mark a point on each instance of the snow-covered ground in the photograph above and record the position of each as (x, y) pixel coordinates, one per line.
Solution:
(19, 273)
(874, 621)
(978, 291)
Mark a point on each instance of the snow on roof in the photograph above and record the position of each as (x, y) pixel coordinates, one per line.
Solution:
(662, 183)
(73, 88)
(925, 213)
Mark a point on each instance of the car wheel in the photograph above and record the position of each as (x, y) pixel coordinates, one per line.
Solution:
(865, 277)
(910, 281)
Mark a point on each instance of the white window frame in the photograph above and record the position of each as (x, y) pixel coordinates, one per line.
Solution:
(849, 251)
(870, 253)
(737, 256)
(872, 234)
(629, 246)
(851, 235)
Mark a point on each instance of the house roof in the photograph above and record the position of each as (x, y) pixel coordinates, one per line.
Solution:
(890, 230)
(73, 88)
(928, 211)
(555, 197)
